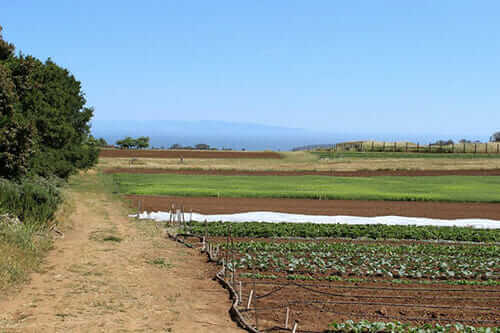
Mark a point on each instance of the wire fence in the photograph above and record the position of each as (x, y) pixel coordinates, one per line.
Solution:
(406, 147)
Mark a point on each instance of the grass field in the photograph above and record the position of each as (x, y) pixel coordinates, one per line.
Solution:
(403, 155)
(443, 188)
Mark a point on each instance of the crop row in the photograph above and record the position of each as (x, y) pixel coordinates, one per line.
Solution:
(415, 261)
(374, 231)
(397, 327)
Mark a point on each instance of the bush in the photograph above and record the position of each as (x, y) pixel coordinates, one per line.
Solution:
(34, 200)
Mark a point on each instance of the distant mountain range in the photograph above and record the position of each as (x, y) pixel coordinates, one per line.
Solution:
(219, 134)
(234, 135)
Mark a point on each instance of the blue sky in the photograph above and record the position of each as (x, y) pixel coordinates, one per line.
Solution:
(430, 67)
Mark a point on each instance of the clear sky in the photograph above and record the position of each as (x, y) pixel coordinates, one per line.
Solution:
(359, 66)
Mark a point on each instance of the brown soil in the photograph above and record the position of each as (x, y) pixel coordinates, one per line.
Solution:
(416, 307)
(375, 301)
(362, 173)
(93, 283)
(186, 154)
(211, 205)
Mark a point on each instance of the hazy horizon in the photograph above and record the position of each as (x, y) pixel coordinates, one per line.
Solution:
(237, 135)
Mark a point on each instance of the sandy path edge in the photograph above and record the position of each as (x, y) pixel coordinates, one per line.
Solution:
(143, 283)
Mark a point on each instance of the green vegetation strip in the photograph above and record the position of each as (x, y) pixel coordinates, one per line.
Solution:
(369, 327)
(415, 261)
(441, 188)
(376, 231)
(391, 155)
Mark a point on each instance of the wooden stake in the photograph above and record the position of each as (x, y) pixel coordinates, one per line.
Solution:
(250, 299)
(240, 299)
(295, 326)
(287, 316)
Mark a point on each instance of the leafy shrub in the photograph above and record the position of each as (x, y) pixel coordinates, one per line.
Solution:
(33, 200)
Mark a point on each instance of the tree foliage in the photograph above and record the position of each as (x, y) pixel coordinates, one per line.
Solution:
(44, 123)
(130, 143)
(495, 137)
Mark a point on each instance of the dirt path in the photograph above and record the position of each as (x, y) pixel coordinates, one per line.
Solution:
(109, 274)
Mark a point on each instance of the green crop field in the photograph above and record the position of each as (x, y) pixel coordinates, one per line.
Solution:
(392, 155)
(442, 188)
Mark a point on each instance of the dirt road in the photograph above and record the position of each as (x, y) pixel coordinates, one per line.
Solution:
(111, 274)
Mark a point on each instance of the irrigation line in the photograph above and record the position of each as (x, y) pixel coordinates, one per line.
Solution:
(234, 311)
(399, 297)
(271, 292)
(381, 304)
(383, 296)
(354, 314)
(376, 288)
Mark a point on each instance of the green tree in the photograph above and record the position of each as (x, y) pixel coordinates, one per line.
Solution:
(43, 118)
(202, 146)
(126, 143)
(495, 137)
(142, 142)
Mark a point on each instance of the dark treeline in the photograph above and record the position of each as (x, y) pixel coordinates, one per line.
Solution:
(44, 138)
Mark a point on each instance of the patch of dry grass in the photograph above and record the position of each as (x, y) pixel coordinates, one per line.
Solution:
(304, 161)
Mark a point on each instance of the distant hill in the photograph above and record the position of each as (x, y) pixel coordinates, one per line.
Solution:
(313, 147)
(219, 134)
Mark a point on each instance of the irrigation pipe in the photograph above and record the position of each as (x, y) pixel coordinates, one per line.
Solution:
(381, 304)
(235, 313)
(376, 288)
(410, 318)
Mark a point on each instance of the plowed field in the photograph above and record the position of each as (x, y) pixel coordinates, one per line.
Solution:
(211, 205)
(185, 154)
(361, 173)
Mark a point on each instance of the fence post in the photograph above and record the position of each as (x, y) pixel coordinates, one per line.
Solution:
(406, 148)
(383, 147)
(395, 146)
(418, 147)
(498, 148)
(475, 148)
(373, 146)
(486, 148)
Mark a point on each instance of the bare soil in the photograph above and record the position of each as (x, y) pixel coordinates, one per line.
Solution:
(376, 301)
(212, 205)
(186, 154)
(361, 173)
(112, 274)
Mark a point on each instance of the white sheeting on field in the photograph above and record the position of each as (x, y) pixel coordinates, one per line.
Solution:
(275, 217)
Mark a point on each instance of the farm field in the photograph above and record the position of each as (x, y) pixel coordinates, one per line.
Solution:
(442, 188)
(334, 276)
(319, 282)
(299, 162)
(404, 155)
(360, 173)
(131, 153)
(214, 205)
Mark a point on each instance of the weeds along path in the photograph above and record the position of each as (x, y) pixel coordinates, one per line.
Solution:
(109, 274)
